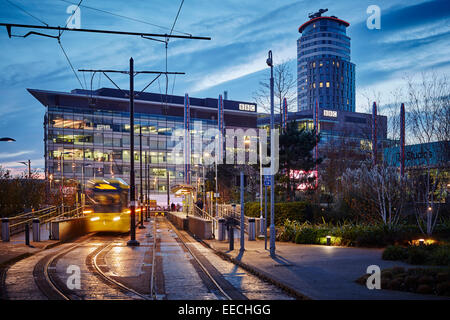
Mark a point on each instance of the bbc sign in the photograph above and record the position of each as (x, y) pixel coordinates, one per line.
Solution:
(247, 107)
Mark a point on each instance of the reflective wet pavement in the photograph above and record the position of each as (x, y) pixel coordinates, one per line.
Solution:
(177, 275)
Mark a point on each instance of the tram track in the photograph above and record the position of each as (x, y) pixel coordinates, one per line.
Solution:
(211, 274)
(53, 287)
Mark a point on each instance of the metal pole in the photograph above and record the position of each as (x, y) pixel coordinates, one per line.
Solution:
(272, 161)
(29, 169)
(242, 212)
(146, 188)
(132, 241)
(216, 191)
(260, 186)
(140, 177)
(27, 234)
(62, 180)
(265, 217)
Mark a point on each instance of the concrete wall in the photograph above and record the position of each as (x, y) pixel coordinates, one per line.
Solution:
(178, 219)
(67, 229)
(201, 228)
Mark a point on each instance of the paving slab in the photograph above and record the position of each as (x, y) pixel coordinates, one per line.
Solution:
(317, 271)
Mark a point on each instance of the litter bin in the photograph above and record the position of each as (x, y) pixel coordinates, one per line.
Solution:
(251, 229)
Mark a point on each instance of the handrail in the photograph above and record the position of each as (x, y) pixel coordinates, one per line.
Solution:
(52, 210)
(20, 215)
(203, 213)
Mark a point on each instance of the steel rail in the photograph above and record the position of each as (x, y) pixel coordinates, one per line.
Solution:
(204, 269)
(110, 280)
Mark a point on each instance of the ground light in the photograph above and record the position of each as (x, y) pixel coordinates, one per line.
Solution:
(421, 242)
(328, 240)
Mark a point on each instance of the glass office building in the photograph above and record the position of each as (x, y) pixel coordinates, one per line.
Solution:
(324, 70)
(87, 134)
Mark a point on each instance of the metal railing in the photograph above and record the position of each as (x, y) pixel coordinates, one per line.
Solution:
(18, 222)
(202, 213)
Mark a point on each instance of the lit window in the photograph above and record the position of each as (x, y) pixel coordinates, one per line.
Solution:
(328, 84)
(314, 84)
(320, 64)
(314, 64)
(337, 64)
(321, 84)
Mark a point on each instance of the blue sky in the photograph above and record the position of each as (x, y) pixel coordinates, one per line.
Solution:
(414, 37)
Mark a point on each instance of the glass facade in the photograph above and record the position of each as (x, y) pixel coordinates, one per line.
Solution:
(324, 70)
(84, 141)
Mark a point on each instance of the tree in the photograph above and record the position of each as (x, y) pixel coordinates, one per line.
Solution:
(285, 86)
(295, 153)
(381, 186)
(428, 120)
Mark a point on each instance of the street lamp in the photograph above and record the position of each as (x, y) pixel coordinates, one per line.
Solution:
(7, 139)
(269, 62)
(28, 163)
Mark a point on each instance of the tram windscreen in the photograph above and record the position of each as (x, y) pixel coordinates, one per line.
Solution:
(107, 201)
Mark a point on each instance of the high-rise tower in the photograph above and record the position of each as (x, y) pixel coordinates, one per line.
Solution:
(324, 70)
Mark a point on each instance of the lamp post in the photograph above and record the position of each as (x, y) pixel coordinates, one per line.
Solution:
(7, 139)
(141, 226)
(28, 163)
(269, 62)
(132, 241)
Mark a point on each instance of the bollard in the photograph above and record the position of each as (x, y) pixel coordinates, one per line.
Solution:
(27, 234)
(5, 229)
(261, 226)
(36, 230)
(251, 229)
(231, 237)
(221, 230)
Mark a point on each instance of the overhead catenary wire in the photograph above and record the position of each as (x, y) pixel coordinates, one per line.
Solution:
(22, 9)
(70, 63)
(71, 16)
(129, 18)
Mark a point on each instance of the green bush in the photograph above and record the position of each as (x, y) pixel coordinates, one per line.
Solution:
(307, 235)
(418, 280)
(416, 255)
(394, 253)
(299, 211)
(440, 256)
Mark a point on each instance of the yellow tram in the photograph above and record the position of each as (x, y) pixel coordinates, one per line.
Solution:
(107, 205)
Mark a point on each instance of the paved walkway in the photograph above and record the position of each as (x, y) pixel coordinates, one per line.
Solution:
(16, 248)
(317, 271)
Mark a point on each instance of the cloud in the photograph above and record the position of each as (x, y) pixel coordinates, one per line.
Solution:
(4, 155)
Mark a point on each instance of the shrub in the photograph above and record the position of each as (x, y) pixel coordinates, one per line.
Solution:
(418, 280)
(299, 211)
(307, 235)
(417, 255)
(440, 256)
(394, 253)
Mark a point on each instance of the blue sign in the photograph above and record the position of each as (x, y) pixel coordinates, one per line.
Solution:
(434, 153)
(267, 181)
